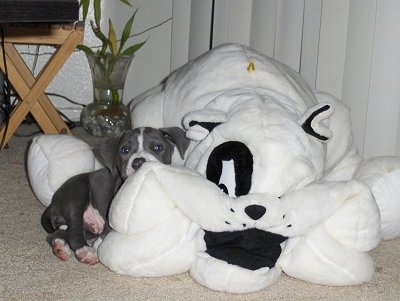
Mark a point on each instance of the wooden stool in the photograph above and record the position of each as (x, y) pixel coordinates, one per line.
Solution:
(31, 90)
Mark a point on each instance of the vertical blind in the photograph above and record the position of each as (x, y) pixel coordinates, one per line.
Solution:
(349, 48)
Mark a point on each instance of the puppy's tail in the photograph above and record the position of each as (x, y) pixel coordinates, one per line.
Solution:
(46, 221)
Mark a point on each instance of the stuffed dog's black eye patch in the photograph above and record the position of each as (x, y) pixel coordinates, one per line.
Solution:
(242, 159)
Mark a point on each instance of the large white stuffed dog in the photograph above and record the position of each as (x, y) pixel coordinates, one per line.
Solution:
(271, 182)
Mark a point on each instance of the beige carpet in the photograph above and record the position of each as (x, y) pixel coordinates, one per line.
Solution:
(29, 271)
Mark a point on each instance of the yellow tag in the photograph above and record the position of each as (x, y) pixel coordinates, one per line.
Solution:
(251, 67)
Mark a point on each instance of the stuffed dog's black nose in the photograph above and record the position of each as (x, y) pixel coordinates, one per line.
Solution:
(255, 211)
(137, 162)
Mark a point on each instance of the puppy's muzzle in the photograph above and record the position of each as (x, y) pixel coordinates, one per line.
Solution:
(137, 162)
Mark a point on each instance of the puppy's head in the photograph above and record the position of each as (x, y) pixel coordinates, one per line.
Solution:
(127, 153)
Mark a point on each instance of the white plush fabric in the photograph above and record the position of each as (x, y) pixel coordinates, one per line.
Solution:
(250, 123)
(382, 175)
(151, 236)
(333, 225)
(264, 107)
(342, 158)
(185, 200)
(270, 161)
(199, 83)
(52, 159)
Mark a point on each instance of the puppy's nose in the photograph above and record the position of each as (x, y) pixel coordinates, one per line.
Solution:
(255, 212)
(137, 162)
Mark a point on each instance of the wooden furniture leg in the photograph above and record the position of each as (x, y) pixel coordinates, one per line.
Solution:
(31, 89)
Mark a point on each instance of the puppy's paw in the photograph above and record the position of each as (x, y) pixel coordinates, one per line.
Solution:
(87, 255)
(61, 249)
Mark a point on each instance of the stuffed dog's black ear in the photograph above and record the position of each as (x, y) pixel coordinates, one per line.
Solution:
(200, 123)
(106, 152)
(178, 137)
(313, 123)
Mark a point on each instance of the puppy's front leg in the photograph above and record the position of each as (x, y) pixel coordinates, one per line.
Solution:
(77, 241)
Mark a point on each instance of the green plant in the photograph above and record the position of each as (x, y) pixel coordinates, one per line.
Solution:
(111, 48)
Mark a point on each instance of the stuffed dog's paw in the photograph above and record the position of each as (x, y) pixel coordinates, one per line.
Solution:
(222, 276)
(382, 176)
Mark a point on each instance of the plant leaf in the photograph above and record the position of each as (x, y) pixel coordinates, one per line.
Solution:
(100, 36)
(131, 50)
(126, 32)
(86, 49)
(97, 12)
(85, 8)
(112, 38)
(126, 2)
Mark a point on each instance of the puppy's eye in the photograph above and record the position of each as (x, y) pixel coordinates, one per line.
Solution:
(125, 149)
(158, 147)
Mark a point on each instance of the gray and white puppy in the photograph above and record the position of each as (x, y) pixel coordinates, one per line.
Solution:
(79, 208)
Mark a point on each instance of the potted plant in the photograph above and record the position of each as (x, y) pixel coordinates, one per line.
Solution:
(109, 64)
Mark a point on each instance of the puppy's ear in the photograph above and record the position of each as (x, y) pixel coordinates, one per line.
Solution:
(107, 151)
(177, 136)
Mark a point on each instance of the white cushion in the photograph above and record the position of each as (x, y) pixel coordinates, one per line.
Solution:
(52, 159)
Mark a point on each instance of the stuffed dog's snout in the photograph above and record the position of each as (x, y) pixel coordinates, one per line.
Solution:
(137, 163)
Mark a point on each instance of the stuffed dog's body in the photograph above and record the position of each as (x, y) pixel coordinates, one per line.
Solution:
(78, 210)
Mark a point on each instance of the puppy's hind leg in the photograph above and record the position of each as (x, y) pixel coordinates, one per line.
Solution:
(58, 236)
(58, 241)
(83, 252)
(46, 220)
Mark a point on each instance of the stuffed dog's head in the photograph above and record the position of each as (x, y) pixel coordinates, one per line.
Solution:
(261, 147)
(128, 152)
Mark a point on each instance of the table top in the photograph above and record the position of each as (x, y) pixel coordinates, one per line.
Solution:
(39, 11)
